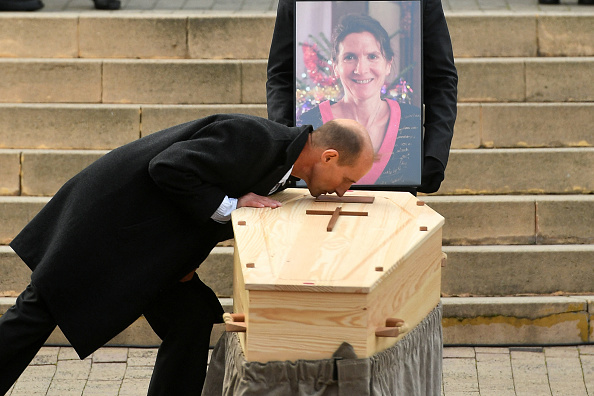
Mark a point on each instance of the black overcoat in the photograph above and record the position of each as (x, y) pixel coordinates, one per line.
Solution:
(138, 219)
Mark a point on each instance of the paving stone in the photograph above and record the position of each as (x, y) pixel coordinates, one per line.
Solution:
(35, 380)
(565, 220)
(133, 36)
(565, 35)
(459, 352)
(46, 355)
(50, 80)
(45, 171)
(530, 373)
(565, 374)
(156, 118)
(559, 171)
(9, 172)
(171, 81)
(134, 387)
(495, 374)
(141, 357)
(66, 388)
(102, 388)
(108, 371)
(68, 353)
(73, 369)
(46, 36)
(490, 351)
(588, 371)
(586, 349)
(509, 270)
(472, 35)
(230, 37)
(68, 126)
(547, 80)
(139, 372)
(537, 124)
(110, 355)
(459, 375)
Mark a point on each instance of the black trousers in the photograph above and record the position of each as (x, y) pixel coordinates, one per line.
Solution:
(182, 317)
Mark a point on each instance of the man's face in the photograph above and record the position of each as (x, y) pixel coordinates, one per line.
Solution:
(328, 177)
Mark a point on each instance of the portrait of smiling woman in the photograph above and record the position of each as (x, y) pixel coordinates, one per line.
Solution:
(362, 62)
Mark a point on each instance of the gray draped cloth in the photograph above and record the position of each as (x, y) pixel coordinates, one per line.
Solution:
(412, 367)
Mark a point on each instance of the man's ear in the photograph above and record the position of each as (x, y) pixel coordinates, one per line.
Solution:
(329, 155)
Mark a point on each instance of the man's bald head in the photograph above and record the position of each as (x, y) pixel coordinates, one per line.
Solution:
(346, 136)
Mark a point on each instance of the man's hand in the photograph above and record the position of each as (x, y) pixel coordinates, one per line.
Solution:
(257, 201)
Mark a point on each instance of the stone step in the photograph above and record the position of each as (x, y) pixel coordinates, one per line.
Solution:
(470, 270)
(469, 219)
(476, 321)
(472, 171)
(173, 81)
(136, 35)
(107, 126)
(190, 81)
(218, 36)
(97, 126)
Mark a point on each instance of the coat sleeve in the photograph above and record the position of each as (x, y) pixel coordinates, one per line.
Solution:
(198, 173)
(440, 84)
(279, 85)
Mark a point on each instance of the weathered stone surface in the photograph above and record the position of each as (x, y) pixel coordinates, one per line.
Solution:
(565, 35)
(537, 124)
(133, 36)
(42, 36)
(567, 219)
(10, 166)
(15, 213)
(525, 171)
(467, 131)
(45, 171)
(511, 270)
(217, 271)
(473, 35)
(480, 220)
(14, 274)
(253, 82)
(497, 321)
(491, 80)
(158, 117)
(68, 126)
(547, 80)
(50, 80)
(171, 81)
(230, 37)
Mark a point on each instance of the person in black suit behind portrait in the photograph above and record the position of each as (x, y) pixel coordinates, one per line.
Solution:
(124, 236)
(440, 82)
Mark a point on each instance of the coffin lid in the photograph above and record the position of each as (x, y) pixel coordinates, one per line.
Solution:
(287, 249)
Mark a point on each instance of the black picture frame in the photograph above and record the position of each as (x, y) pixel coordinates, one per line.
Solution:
(319, 72)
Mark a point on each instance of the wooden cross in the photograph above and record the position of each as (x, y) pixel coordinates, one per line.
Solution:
(335, 214)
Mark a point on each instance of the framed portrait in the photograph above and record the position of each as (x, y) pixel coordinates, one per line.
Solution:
(363, 60)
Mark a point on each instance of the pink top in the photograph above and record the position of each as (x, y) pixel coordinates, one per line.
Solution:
(387, 147)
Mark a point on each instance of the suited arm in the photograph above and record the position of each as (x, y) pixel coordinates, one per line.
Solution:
(440, 81)
(279, 86)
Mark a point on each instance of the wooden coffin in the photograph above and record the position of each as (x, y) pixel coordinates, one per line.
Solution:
(303, 290)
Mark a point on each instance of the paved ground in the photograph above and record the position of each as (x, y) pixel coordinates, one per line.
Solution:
(270, 5)
(562, 371)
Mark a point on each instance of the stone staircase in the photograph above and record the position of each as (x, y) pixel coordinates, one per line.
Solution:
(518, 197)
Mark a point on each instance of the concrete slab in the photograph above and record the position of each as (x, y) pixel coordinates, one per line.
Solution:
(116, 35)
(66, 126)
(10, 167)
(171, 81)
(569, 220)
(50, 81)
(547, 80)
(38, 35)
(565, 35)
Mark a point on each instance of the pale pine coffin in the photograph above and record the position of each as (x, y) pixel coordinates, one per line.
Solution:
(304, 290)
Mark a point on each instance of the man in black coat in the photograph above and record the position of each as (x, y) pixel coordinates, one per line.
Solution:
(116, 239)
(440, 86)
